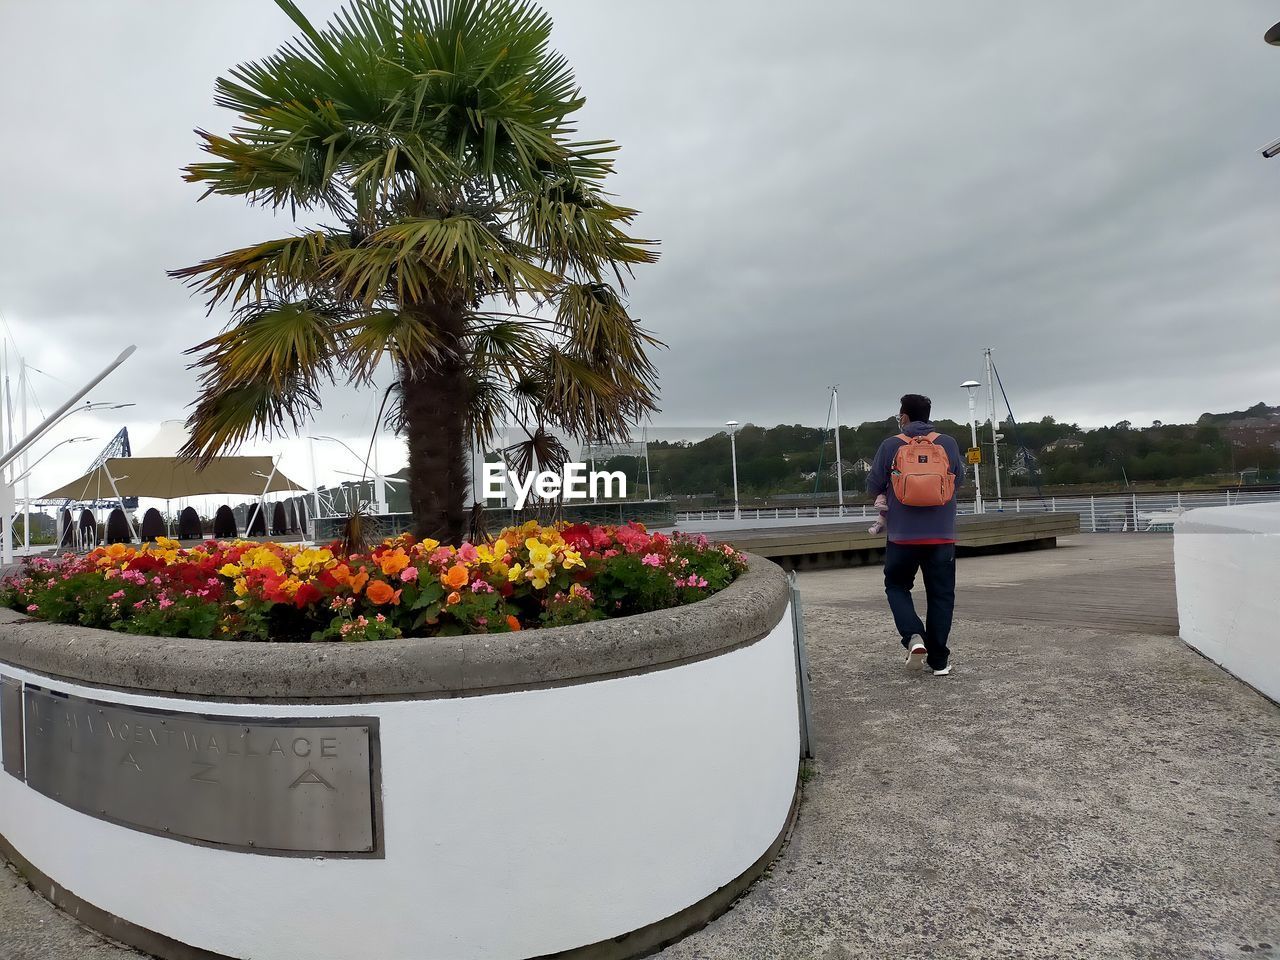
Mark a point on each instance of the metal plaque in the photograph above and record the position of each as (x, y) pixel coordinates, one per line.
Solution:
(287, 787)
(11, 726)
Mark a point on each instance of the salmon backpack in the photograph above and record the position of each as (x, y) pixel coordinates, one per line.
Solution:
(922, 474)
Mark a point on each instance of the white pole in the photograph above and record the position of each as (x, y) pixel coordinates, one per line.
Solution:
(973, 432)
(8, 401)
(23, 387)
(733, 454)
(315, 486)
(835, 408)
(995, 446)
(53, 418)
(379, 483)
(133, 533)
(648, 477)
(261, 501)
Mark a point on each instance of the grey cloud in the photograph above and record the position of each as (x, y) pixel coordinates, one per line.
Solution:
(861, 193)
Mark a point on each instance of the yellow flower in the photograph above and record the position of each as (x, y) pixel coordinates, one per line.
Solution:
(262, 558)
(164, 543)
(538, 576)
(230, 570)
(241, 587)
(312, 560)
(539, 553)
(515, 572)
(489, 552)
(570, 559)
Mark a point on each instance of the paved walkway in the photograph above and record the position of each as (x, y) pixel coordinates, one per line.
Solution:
(1083, 785)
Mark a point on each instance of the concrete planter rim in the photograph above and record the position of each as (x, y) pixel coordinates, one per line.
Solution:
(416, 668)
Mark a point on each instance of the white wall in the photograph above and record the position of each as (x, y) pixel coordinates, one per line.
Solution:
(516, 825)
(1227, 566)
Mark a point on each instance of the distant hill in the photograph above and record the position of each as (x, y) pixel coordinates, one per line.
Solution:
(1257, 411)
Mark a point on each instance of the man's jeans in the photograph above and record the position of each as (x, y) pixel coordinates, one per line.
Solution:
(937, 565)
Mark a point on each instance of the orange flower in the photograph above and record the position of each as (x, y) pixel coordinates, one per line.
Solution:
(340, 573)
(512, 622)
(358, 580)
(456, 577)
(392, 563)
(453, 598)
(380, 592)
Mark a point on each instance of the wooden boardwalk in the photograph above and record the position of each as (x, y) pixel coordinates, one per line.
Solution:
(849, 544)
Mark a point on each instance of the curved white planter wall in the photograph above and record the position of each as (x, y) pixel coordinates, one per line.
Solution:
(516, 824)
(1227, 566)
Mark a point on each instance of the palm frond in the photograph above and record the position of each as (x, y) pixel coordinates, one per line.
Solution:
(281, 268)
(423, 259)
(575, 227)
(403, 337)
(262, 373)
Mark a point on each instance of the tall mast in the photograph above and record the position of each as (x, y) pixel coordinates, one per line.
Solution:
(23, 388)
(995, 445)
(835, 415)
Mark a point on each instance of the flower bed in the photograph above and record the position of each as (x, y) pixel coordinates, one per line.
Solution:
(528, 576)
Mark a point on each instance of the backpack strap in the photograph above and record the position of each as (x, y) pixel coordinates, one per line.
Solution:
(903, 437)
(929, 438)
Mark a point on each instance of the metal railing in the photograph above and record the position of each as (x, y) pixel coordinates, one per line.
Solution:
(1107, 513)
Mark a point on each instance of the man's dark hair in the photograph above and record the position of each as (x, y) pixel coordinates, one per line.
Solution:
(916, 407)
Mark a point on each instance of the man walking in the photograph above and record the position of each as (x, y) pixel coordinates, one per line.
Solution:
(919, 471)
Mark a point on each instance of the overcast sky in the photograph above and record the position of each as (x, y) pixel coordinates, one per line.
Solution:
(861, 193)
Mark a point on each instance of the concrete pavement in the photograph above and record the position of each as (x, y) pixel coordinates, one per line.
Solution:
(1083, 785)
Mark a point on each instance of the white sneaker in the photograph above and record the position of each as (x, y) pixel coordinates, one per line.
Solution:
(915, 652)
(944, 671)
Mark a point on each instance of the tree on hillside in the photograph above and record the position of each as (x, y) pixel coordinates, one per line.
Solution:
(471, 244)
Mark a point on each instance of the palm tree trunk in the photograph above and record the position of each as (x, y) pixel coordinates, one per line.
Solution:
(435, 417)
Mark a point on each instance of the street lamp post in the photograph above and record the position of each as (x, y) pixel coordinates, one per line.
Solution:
(972, 386)
(733, 455)
(995, 437)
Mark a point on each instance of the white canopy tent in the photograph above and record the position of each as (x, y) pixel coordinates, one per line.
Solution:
(168, 478)
(160, 474)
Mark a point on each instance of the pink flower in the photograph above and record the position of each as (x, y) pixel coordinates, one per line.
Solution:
(380, 618)
(467, 553)
(409, 574)
(165, 603)
(32, 607)
(651, 560)
(480, 586)
(118, 595)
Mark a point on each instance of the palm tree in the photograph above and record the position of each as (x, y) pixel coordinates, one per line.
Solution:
(471, 245)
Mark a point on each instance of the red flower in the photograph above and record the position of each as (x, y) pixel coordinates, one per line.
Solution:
(307, 594)
(578, 536)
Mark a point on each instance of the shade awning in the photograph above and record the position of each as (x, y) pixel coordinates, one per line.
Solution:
(168, 478)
